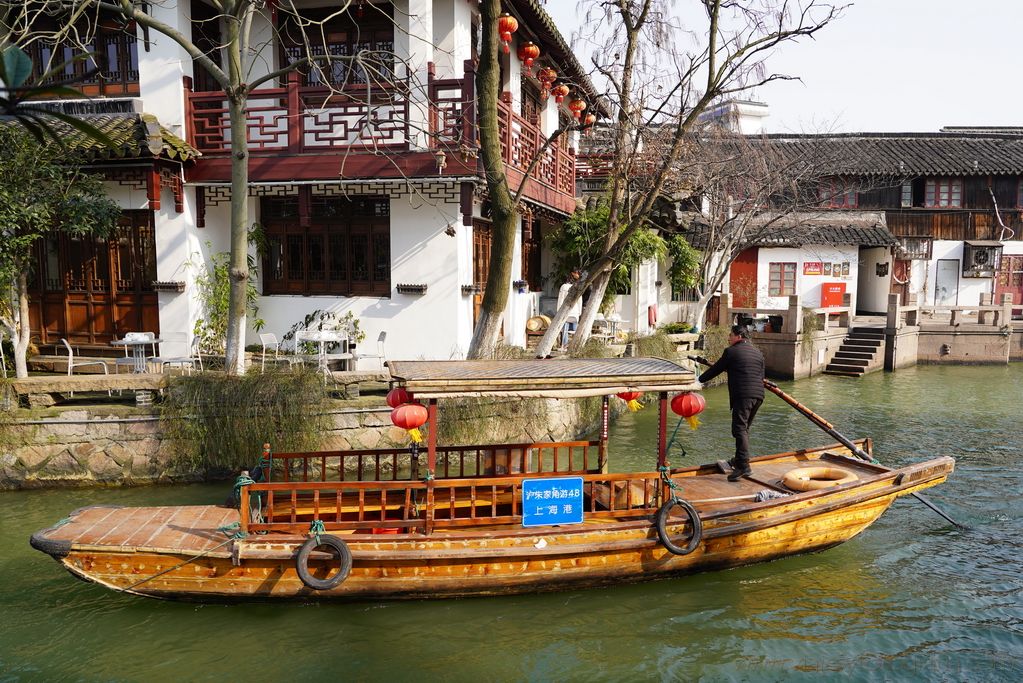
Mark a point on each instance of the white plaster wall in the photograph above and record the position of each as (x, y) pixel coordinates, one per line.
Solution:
(872, 289)
(970, 288)
(429, 326)
(163, 66)
(413, 36)
(177, 240)
(452, 27)
(808, 287)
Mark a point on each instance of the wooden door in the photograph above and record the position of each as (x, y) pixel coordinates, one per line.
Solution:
(901, 269)
(742, 282)
(91, 291)
(1010, 279)
(946, 282)
(481, 240)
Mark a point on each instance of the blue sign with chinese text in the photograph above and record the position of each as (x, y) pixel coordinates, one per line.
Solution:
(552, 501)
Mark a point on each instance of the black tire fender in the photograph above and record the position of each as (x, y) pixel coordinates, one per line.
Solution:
(694, 521)
(341, 552)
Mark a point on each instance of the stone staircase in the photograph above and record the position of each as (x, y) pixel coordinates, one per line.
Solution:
(861, 351)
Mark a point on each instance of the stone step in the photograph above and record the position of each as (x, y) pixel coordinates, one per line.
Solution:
(847, 353)
(864, 343)
(876, 332)
(845, 373)
(845, 367)
(858, 362)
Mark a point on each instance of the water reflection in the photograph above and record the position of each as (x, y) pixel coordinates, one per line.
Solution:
(909, 599)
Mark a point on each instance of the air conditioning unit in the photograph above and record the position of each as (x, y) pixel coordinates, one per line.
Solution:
(93, 105)
(981, 258)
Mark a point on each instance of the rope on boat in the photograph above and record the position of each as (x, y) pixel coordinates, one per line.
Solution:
(671, 441)
(230, 539)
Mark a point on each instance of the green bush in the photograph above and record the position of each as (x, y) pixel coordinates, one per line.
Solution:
(676, 328)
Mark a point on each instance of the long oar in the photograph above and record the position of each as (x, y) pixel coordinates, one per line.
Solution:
(829, 428)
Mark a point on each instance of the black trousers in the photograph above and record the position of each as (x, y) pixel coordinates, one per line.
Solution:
(743, 412)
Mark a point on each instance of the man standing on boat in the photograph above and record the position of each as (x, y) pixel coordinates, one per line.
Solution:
(744, 364)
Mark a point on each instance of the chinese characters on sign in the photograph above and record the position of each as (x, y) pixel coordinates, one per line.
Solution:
(812, 268)
(552, 501)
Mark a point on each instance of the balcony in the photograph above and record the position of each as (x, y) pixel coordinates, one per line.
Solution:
(307, 132)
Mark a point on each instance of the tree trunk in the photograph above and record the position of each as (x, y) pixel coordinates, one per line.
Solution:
(589, 313)
(24, 330)
(495, 298)
(239, 267)
(553, 333)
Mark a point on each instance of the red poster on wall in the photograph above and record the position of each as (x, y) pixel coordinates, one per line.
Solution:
(813, 268)
(831, 294)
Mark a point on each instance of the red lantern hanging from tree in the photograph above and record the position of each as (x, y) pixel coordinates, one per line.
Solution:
(588, 122)
(528, 53)
(546, 76)
(506, 26)
(577, 107)
(560, 92)
(688, 405)
(410, 417)
(631, 399)
(397, 396)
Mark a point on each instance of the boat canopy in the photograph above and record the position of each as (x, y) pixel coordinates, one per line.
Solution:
(562, 378)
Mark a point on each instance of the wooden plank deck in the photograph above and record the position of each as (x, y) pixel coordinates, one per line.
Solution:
(186, 529)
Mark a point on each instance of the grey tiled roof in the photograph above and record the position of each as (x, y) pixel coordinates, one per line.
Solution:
(909, 154)
(862, 228)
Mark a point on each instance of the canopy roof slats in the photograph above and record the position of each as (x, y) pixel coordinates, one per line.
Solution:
(568, 378)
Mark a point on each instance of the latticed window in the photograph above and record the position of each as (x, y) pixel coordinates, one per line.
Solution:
(339, 246)
(111, 67)
(839, 193)
(943, 192)
(781, 279)
(347, 51)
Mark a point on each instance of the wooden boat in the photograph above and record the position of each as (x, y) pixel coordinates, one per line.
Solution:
(462, 520)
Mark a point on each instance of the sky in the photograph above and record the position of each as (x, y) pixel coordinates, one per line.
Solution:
(892, 66)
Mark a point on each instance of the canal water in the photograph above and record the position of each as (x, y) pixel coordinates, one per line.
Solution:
(909, 599)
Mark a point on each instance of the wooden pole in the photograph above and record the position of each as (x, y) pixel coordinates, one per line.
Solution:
(662, 429)
(604, 411)
(431, 462)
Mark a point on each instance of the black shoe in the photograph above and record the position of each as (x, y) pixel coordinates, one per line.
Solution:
(738, 473)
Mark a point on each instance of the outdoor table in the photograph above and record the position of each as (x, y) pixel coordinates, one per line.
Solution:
(322, 338)
(138, 352)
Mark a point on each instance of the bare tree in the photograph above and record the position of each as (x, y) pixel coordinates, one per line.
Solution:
(662, 76)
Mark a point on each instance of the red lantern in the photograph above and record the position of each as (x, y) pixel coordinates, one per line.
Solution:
(560, 92)
(528, 53)
(398, 396)
(577, 107)
(410, 417)
(631, 399)
(546, 76)
(588, 122)
(506, 26)
(689, 405)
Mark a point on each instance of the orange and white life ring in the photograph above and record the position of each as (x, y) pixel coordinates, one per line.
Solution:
(814, 478)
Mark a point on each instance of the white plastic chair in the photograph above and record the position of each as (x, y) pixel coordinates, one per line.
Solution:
(81, 363)
(269, 341)
(381, 338)
(129, 360)
(187, 363)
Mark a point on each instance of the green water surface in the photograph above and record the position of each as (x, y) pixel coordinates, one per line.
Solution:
(909, 599)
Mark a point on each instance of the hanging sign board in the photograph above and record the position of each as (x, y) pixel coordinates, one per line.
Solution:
(557, 500)
(813, 268)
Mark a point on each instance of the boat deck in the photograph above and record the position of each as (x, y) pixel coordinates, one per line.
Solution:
(190, 529)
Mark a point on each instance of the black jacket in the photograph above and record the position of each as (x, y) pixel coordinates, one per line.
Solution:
(745, 367)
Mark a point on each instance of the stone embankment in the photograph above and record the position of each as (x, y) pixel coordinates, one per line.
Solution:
(122, 445)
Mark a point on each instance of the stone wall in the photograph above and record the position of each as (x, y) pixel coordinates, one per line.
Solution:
(969, 344)
(118, 445)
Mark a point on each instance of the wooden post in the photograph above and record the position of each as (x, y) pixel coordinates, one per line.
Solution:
(431, 462)
(662, 429)
(602, 457)
(243, 509)
(296, 118)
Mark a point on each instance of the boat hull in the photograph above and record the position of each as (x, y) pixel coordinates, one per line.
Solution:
(482, 562)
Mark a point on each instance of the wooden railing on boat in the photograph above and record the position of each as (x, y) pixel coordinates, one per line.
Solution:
(399, 464)
(363, 490)
(291, 507)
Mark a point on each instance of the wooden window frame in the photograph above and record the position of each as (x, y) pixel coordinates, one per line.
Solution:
(839, 193)
(344, 36)
(779, 274)
(916, 248)
(344, 232)
(943, 192)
